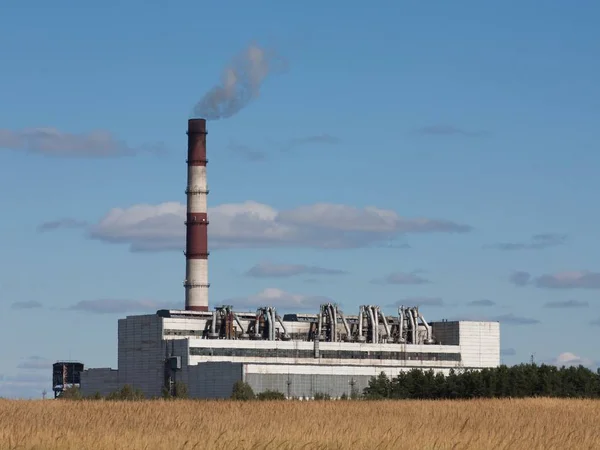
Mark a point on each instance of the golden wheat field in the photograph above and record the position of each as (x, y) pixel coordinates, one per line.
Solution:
(477, 424)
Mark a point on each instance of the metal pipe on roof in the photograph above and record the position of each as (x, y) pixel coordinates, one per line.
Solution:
(385, 323)
(346, 326)
(270, 317)
(237, 320)
(429, 339)
(320, 322)
(286, 336)
(413, 327)
(213, 326)
(401, 319)
(257, 334)
(375, 310)
(373, 325)
(416, 322)
(361, 314)
(333, 319)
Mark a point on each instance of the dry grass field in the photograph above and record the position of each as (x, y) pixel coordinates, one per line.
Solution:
(478, 424)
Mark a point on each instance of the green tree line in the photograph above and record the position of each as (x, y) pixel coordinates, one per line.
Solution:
(524, 380)
(127, 392)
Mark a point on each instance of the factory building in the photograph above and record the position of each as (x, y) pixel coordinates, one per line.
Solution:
(299, 355)
(65, 375)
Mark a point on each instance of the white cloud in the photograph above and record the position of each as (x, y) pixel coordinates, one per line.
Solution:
(144, 227)
(279, 299)
(370, 219)
(575, 279)
(50, 141)
(568, 280)
(255, 225)
(571, 359)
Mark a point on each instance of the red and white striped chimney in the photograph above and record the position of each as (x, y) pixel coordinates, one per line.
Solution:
(196, 248)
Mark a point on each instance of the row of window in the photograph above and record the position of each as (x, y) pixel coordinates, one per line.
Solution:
(327, 354)
(183, 332)
(202, 333)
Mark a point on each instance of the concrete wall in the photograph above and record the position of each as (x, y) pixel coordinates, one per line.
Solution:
(207, 379)
(480, 344)
(305, 386)
(142, 353)
(306, 381)
(213, 379)
(446, 333)
(216, 380)
(102, 381)
(175, 328)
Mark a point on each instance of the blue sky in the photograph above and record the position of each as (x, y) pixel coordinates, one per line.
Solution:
(479, 119)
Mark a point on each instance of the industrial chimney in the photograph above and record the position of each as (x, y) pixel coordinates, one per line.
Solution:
(196, 248)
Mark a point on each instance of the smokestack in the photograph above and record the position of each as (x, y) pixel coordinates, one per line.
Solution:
(196, 248)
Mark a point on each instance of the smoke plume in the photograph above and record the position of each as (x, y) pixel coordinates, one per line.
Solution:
(240, 83)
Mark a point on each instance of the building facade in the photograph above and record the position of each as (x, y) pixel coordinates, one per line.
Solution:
(155, 351)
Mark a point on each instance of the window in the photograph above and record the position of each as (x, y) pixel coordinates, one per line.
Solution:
(326, 354)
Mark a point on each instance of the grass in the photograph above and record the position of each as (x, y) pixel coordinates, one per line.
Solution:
(476, 424)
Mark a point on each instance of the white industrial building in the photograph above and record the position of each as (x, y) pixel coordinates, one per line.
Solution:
(293, 355)
(299, 355)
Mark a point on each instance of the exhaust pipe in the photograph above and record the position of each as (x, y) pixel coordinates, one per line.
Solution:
(385, 324)
(416, 322)
(271, 316)
(333, 319)
(361, 317)
(346, 326)
(429, 339)
(213, 326)
(375, 310)
(286, 336)
(320, 323)
(401, 319)
(413, 326)
(244, 334)
(373, 324)
(257, 336)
